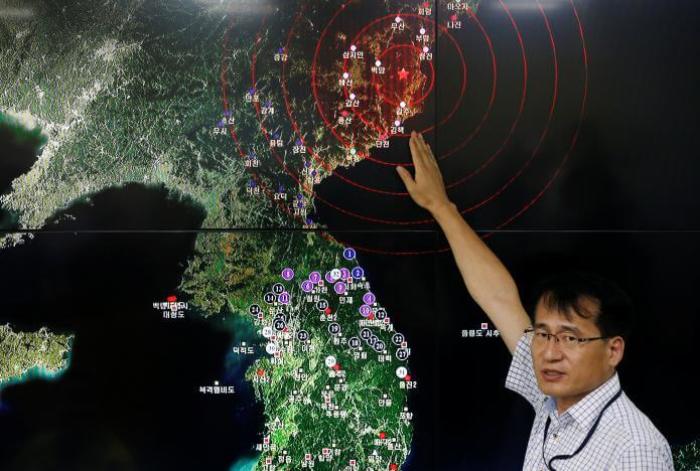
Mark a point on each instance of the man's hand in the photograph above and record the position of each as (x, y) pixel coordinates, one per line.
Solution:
(485, 277)
(428, 188)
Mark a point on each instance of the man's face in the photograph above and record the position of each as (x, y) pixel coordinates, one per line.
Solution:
(569, 374)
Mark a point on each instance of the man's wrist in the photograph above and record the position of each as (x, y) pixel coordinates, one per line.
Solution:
(443, 211)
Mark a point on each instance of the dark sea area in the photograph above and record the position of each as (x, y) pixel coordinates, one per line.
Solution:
(624, 206)
(129, 399)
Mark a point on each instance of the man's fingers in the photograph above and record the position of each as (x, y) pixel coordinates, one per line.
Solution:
(417, 151)
(426, 148)
(423, 145)
(413, 144)
(429, 156)
(406, 178)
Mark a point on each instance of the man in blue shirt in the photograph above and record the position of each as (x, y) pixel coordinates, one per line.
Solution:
(564, 363)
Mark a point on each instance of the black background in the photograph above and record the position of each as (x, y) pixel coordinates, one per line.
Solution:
(625, 206)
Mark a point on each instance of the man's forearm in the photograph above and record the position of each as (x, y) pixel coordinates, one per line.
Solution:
(487, 279)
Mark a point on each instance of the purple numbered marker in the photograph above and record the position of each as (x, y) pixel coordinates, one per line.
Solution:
(307, 286)
(339, 287)
(287, 274)
(328, 277)
(284, 298)
(365, 310)
(369, 298)
(315, 277)
(349, 253)
(358, 273)
(344, 273)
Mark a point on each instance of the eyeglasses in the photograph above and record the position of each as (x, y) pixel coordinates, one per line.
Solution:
(540, 338)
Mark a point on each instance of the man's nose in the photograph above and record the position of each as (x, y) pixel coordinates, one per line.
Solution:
(553, 350)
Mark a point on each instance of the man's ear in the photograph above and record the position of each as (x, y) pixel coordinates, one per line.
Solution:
(616, 350)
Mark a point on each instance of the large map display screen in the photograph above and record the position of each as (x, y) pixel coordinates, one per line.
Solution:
(246, 108)
(208, 260)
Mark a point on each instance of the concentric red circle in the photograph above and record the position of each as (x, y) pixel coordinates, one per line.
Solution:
(501, 148)
(500, 190)
(454, 109)
(363, 31)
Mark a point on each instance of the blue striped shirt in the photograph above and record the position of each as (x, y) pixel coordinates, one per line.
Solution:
(625, 440)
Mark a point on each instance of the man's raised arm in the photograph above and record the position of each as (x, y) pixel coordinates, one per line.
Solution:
(487, 280)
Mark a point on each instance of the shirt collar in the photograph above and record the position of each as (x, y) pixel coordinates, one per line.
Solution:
(585, 411)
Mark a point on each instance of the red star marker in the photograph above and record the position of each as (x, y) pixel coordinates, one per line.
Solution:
(336, 367)
(403, 74)
(382, 435)
(261, 372)
(171, 299)
(407, 378)
(328, 311)
(453, 18)
(393, 467)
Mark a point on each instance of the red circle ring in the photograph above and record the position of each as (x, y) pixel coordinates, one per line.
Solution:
(523, 209)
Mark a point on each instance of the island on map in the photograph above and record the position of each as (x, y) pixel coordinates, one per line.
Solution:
(32, 354)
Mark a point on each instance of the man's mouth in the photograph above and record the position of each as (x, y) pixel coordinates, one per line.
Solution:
(552, 375)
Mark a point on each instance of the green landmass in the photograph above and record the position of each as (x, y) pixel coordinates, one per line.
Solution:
(687, 458)
(368, 395)
(32, 354)
(159, 93)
